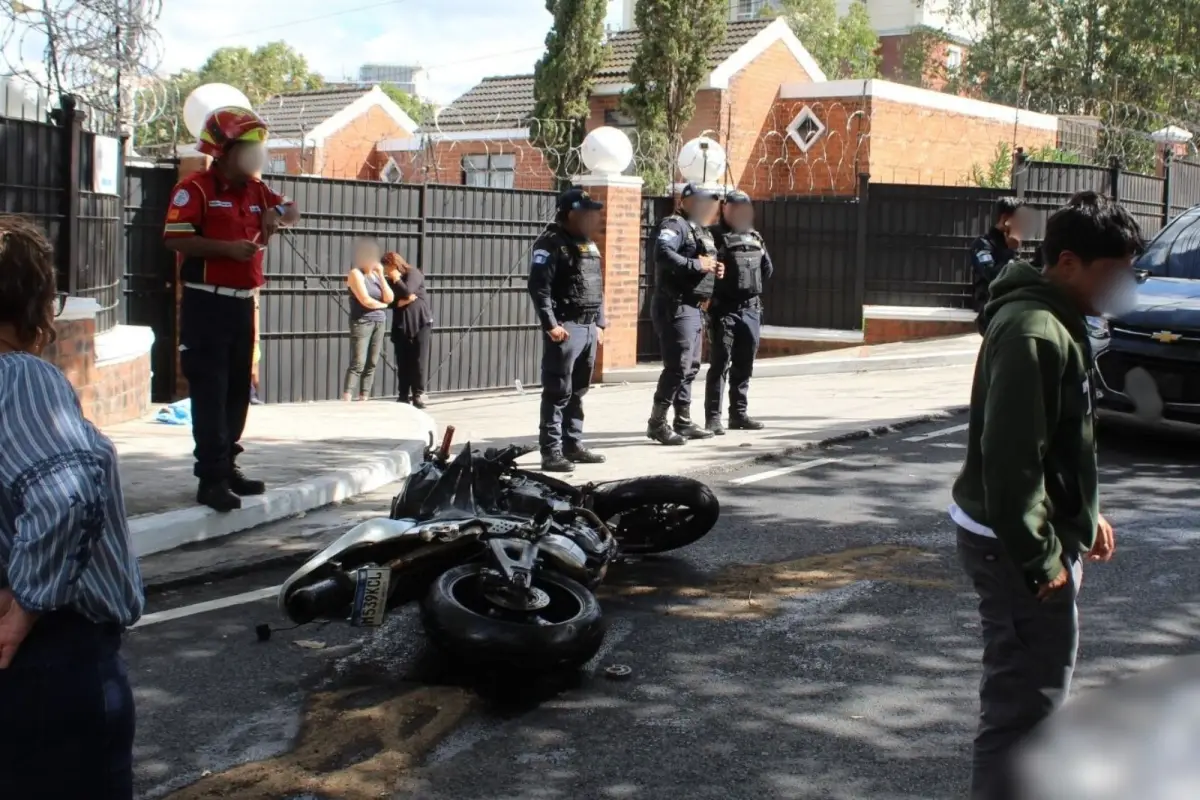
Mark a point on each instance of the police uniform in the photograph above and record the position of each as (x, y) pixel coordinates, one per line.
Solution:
(681, 288)
(989, 255)
(216, 326)
(566, 283)
(735, 321)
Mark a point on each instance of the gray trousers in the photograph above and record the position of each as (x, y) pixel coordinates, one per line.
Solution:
(566, 376)
(366, 343)
(1029, 652)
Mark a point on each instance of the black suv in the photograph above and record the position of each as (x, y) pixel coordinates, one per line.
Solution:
(1149, 359)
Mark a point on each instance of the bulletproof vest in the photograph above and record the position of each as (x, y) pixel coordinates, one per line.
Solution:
(697, 241)
(578, 279)
(742, 255)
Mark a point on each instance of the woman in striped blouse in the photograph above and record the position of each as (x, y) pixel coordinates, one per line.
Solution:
(69, 582)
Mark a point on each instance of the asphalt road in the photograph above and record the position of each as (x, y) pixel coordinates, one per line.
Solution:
(844, 669)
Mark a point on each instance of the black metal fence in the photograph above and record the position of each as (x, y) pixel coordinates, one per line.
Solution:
(49, 171)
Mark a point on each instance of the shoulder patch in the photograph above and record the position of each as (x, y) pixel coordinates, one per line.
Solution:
(668, 235)
(984, 257)
(181, 198)
(540, 257)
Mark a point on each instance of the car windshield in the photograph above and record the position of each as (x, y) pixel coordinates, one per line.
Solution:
(1175, 252)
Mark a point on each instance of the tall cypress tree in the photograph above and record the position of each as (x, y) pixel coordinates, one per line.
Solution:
(563, 78)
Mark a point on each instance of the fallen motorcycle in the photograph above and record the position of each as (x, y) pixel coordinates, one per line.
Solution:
(503, 561)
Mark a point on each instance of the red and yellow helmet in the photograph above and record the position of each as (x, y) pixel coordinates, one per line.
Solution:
(225, 126)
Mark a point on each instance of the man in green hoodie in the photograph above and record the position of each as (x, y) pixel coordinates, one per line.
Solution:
(1027, 500)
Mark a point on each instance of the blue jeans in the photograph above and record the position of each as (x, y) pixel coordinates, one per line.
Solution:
(66, 714)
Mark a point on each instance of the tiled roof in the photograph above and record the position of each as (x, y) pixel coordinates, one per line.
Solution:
(622, 48)
(494, 103)
(295, 114)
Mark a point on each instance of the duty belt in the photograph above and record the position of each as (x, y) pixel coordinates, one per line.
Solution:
(736, 304)
(580, 317)
(225, 291)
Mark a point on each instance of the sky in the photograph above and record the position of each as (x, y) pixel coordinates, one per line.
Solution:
(458, 41)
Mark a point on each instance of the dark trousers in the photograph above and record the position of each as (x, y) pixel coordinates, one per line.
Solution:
(566, 375)
(66, 714)
(216, 343)
(366, 345)
(412, 362)
(679, 327)
(733, 335)
(1029, 649)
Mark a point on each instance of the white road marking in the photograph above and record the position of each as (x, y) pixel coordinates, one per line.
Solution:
(775, 473)
(950, 445)
(944, 432)
(208, 605)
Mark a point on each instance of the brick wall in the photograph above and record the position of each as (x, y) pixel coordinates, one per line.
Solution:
(442, 163)
(619, 241)
(350, 151)
(832, 164)
(893, 53)
(108, 393)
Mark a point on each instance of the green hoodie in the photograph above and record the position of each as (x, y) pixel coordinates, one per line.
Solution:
(1030, 473)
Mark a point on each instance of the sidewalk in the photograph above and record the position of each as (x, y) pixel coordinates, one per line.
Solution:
(314, 455)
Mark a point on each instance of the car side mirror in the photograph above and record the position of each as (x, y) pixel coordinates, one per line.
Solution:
(1142, 274)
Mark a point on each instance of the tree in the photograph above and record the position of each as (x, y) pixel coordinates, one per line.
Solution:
(670, 65)
(563, 77)
(415, 107)
(844, 48)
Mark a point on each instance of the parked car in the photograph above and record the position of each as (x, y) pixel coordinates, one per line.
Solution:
(1149, 359)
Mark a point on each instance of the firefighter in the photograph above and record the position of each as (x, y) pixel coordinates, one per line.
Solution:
(220, 222)
(735, 314)
(685, 259)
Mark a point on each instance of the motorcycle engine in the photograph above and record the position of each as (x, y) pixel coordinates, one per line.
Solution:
(528, 498)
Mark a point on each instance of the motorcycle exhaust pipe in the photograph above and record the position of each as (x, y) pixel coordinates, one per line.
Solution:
(447, 439)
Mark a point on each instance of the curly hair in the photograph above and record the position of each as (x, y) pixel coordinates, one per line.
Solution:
(28, 279)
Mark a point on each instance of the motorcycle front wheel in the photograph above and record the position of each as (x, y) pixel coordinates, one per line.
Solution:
(657, 513)
(565, 630)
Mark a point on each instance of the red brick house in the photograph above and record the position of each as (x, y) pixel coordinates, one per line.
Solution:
(333, 133)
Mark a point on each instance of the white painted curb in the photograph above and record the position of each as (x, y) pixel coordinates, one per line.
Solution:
(784, 367)
(155, 533)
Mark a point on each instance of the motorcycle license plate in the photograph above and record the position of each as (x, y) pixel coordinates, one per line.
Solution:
(370, 597)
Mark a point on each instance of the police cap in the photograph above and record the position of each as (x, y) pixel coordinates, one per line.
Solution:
(699, 191)
(577, 200)
(736, 196)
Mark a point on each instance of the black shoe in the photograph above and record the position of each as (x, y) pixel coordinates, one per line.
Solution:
(242, 486)
(582, 456)
(714, 425)
(658, 429)
(418, 401)
(741, 422)
(688, 429)
(218, 496)
(555, 462)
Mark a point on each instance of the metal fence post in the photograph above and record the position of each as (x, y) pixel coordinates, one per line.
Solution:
(1168, 190)
(1114, 178)
(860, 237)
(423, 234)
(70, 118)
(1020, 173)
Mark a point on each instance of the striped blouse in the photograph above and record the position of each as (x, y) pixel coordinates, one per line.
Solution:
(64, 541)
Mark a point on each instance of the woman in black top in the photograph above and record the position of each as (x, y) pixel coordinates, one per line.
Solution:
(412, 323)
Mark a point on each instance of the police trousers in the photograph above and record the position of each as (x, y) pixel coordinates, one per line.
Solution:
(733, 336)
(1029, 649)
(679, 326)
(67, 714)
(566, 376)
(216, 352)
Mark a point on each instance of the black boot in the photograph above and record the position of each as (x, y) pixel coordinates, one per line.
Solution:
(714, 424)
(688, 429)
(741, 422)
(583, 456)
(554, 461)
(218, 496)
(658, 429)
(418, 400)
(242, 486)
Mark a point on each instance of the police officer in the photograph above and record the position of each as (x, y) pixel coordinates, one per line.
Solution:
(567, 287)
(735, 314)
(686, 264)
(220, 221)
(991, 252)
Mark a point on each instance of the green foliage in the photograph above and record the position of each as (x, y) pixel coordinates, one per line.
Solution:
(563, 78)
(671, 64)
(844, 48)
(917, 68)
(415, 107)
(997, 173)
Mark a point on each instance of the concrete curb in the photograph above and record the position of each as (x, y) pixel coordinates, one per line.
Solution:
(156, 533)
(789, 367)
(298, 557)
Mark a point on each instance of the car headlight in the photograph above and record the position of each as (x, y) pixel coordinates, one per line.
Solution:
(1097, 327)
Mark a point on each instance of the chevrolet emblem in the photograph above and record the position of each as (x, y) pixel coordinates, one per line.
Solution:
(1166, 337)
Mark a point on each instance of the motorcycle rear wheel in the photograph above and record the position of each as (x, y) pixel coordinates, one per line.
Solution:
(657, 513)
(461, 620)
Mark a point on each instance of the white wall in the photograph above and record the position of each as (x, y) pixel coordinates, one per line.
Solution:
(894, 17)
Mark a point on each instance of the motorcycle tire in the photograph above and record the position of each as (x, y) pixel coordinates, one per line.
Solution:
(459, 619)
(658, 513)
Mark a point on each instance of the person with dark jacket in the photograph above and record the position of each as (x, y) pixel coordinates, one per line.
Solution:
(1026, 502)
(735, 314)
(412, 327)
(992, 252)
(566, 282)
(686, 266)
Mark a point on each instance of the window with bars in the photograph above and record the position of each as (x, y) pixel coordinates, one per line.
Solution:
(496, 171)
(746, 9)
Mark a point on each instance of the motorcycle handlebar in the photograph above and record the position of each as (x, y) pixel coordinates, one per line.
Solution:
(320, 599)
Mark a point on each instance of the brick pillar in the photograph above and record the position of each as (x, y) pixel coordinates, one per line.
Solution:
(188, 165)
(619, 241)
